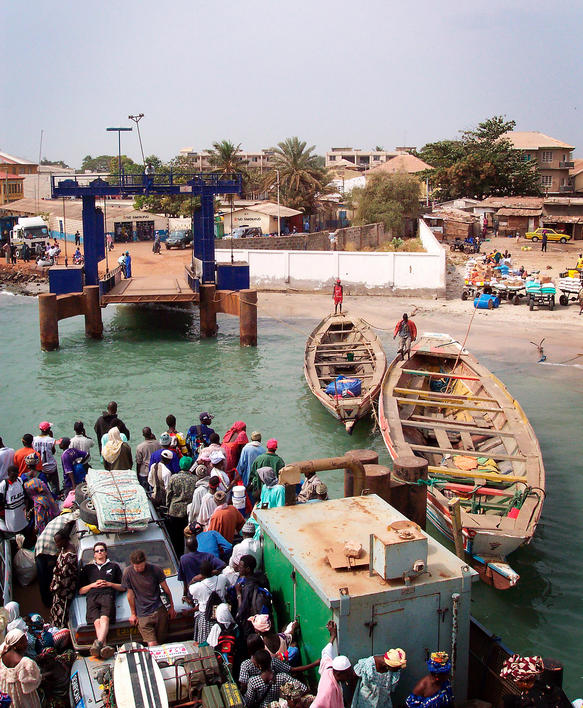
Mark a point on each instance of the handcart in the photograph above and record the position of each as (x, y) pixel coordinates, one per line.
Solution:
(570, 286)
(540, 294)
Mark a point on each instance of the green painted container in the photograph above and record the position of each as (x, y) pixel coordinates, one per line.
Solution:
(373, 613)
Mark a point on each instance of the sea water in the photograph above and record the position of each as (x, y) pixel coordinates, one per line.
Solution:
(152, 362)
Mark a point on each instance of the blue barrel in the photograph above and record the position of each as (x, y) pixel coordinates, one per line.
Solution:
(483, 302)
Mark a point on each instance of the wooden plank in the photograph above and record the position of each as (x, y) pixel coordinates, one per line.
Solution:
(469, 453)
(456, 522)
(442, 439)
(340, 362)
(467, 440)
(455, 427)
(446, 396)
(440, 375)
(441, 404)
(488, 476)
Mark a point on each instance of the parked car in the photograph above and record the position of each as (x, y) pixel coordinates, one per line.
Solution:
(245, 232)
(158, 549)
(179, 239)
(552, 235)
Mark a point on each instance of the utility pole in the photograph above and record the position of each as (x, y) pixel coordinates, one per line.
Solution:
(119, 132)
(278, 209)
(137, 118)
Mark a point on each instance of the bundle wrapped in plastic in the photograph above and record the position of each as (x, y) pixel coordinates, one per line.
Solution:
(119, 500)
(344, 387)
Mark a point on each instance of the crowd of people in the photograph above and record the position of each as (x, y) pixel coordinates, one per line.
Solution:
(204, 488)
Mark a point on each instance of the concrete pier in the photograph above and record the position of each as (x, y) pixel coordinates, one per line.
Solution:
(49, 322)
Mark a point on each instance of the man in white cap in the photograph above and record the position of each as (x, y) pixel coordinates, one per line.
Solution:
(249, 546)
(166, 444)
(378, 677)
(218, 470)
(333, 670)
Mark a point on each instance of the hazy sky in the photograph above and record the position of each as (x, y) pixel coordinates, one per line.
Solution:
(359, 73)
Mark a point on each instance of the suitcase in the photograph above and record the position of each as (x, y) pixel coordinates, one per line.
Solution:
(210, 664)
(231, 695)
(211, 697)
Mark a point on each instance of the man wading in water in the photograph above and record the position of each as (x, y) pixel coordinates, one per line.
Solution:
(407, 332)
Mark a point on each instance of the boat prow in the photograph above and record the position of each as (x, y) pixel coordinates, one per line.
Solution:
(443, 405)
(344, 364)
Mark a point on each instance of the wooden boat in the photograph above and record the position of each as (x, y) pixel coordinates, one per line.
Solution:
(443, 405)
(342, 345)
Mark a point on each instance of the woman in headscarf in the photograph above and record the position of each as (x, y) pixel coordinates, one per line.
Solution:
(64, 582)
(524, 672)
(272, 493)
(19, 675)
(224, 633)
(233, 443)
(117, 454)
(56, 676)
(45, 508)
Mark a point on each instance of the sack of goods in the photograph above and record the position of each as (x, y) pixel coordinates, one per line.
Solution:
(119, 500)
(344, 387)
(570, 285)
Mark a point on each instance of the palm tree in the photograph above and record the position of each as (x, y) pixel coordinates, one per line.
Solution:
(225, 158)
(301, 177)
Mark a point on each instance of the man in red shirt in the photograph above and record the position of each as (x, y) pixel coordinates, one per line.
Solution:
(225, 519)
(338, 296)
(21, 454)
(407, 332)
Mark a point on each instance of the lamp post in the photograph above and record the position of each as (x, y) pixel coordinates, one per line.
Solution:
(119, 131)
(137, 118)
(278, 210)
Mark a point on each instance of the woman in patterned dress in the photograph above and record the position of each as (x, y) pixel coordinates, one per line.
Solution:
(64, 582)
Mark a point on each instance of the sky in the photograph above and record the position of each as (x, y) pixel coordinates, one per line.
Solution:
(354, 73)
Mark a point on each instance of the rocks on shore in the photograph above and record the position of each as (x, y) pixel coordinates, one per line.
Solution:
(22, 281)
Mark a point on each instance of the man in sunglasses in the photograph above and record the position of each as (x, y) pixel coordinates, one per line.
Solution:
(100, 580)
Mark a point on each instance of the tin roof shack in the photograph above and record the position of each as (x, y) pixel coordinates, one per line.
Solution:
(449, 224)
(424, 605)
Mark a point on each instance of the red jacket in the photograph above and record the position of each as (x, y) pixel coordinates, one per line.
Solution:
(412, 329)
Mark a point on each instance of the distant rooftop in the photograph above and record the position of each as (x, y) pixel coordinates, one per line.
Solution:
(7, 175)
(401, 163)
(13, 160)
(533, 140)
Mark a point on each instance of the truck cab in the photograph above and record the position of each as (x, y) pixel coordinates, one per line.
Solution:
(32, 230)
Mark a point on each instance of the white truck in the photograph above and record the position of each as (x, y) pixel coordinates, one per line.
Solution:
(32, 230)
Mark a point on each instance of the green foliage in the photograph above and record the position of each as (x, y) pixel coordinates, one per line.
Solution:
(481, 163)
(96, 164)
(253, 180)
(225, 157)
(54, 163)
(302, 177)
(128, 166)
(175, 204)
(387, 198)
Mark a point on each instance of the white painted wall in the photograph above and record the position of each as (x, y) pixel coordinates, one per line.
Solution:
(362, 272)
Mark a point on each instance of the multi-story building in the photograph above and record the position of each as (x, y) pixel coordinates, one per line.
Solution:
(10, 187)
(262, 160)
(551, 156)
(17, 165)
(361, 159)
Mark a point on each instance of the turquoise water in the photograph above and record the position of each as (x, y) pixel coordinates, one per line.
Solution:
(152, 363)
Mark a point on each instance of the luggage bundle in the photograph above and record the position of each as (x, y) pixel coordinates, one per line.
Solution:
(119, 500)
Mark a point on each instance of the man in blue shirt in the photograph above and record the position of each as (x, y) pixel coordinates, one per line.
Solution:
(214, 543)
(173, 464)
(189, 566)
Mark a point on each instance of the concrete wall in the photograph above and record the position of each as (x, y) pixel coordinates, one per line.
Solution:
(361, 272)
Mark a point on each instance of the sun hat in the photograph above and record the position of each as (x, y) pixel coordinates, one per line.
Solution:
(321, 488)
(395, 658)
(45, 425)
(217, 456)
(256, 435)
(165, 439)
(341, 663)
(272, 444)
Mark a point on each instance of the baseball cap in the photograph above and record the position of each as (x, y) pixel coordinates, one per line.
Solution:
(165, 439)
(217, 456)
(45, 425)
(272, 444)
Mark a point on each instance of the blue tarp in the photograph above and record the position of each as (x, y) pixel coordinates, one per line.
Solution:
(344, 387)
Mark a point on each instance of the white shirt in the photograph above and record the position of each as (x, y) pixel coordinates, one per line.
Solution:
(6, 459)
(207, 507)
(80, 442)
(223, 476)
(202, 590)
(14, 504)
(247, 547)
(44, 444)
(197, 497)
(165, 474)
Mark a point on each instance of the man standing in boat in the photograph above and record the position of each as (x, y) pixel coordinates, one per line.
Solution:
(407, 332)
(338, 296)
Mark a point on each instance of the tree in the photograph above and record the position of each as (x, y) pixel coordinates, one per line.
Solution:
(253, 180)
(379, 148)
(389, 198)
(54, 163)
(96, 164)
(172, 204)
(481, 163)
(301, 175)
(225, 157)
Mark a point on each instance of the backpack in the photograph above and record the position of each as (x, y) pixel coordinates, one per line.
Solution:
(260, 602)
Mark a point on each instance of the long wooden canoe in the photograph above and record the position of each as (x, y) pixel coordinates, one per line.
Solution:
(342, 345)
(442, 404)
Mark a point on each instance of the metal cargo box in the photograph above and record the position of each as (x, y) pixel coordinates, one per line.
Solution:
(415, 613)
(232, 276)
(66, 279)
